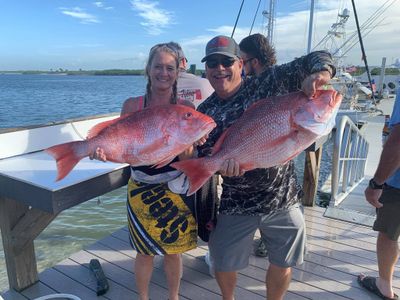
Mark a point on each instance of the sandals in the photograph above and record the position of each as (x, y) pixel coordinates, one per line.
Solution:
(261, 250)
(369, 283)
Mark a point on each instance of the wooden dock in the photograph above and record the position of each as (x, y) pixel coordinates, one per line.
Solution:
(337, 252)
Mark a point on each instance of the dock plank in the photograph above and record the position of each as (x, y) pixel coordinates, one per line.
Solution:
(62, 283)
(119, 242)
(337, 251)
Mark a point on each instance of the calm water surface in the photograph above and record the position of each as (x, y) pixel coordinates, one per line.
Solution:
(39, 99)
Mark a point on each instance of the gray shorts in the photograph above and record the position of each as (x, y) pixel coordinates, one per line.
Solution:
(387, 217)
(231, 242)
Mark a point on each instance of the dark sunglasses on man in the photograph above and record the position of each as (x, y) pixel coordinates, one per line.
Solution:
(226, 62)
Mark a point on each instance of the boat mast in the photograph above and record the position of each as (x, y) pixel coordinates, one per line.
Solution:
(270, 15)
(334, 40)
(310, 26)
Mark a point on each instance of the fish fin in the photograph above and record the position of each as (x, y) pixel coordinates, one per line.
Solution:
(66, 157)
(156, 144)
(219, 142)
(196, 172)
(96, 129)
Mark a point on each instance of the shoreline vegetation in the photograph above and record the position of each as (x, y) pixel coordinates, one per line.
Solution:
(375, 71)
(109, 72)
(357, 71)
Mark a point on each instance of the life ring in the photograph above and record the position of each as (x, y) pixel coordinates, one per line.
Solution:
(58, 296)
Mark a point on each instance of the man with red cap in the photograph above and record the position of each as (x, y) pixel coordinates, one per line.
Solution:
(265, 199)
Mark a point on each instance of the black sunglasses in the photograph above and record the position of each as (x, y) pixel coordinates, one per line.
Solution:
(225, 62)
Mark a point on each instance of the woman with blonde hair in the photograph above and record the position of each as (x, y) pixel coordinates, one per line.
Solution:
(160, 215)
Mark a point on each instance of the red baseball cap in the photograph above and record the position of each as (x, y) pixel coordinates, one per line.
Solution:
(223, 45)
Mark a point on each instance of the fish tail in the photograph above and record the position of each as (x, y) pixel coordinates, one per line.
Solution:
(196, 171)
(67, 155)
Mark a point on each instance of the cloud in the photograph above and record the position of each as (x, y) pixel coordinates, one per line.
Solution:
(155, 19)
(80, 14)
(100, 4)
(291, 32)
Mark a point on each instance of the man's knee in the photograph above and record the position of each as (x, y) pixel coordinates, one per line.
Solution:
(279, 271)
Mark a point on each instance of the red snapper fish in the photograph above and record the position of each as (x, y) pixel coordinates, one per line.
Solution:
(152, 136)
(271, 132)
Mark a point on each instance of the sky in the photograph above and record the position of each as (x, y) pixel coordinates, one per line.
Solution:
(117, 34)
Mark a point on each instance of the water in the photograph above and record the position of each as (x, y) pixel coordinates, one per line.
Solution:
(38, 99)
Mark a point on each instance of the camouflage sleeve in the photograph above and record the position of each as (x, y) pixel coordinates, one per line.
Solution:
(288, 77)
(292, 74)
(320, 61)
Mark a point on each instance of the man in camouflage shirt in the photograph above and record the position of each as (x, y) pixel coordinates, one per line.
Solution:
(264, 199)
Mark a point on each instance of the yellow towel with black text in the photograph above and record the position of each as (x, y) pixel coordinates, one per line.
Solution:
(160, 221)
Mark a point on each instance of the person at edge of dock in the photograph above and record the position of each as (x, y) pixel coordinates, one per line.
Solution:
(383, 192)
(264, 199)
(160, 215)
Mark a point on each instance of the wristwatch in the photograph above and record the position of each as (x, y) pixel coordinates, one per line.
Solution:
(373, 185)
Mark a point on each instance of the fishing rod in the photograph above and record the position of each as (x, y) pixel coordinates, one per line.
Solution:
(252, 24)
(363, 50)
(237, 19)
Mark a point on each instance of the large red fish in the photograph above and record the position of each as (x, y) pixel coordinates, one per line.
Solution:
(152, 136)
(271, 132)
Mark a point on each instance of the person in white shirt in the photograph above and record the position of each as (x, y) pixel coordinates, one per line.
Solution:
(191, 87)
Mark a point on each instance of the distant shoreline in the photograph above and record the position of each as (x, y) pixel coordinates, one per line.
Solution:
(116, 72)
(111, 72)
(126, 72)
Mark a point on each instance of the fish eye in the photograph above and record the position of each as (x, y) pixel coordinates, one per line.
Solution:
(188, 115)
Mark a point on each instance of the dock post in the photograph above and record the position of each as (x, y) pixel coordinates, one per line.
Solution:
(20, 225)
(311, 175)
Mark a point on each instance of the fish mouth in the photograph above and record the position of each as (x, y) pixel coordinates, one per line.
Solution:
(208, 127)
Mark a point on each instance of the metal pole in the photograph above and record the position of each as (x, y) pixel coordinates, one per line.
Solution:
(271, 21)
(363, 50)
(310, 26)
(255, 15)
(237, 19)
(381, 76)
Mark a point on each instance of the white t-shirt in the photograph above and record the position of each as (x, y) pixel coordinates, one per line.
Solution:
(193, 88)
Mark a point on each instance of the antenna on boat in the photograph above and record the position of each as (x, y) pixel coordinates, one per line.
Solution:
(363, 50)
(237, 19)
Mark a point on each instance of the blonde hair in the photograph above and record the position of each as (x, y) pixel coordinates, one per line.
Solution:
(166, 47)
